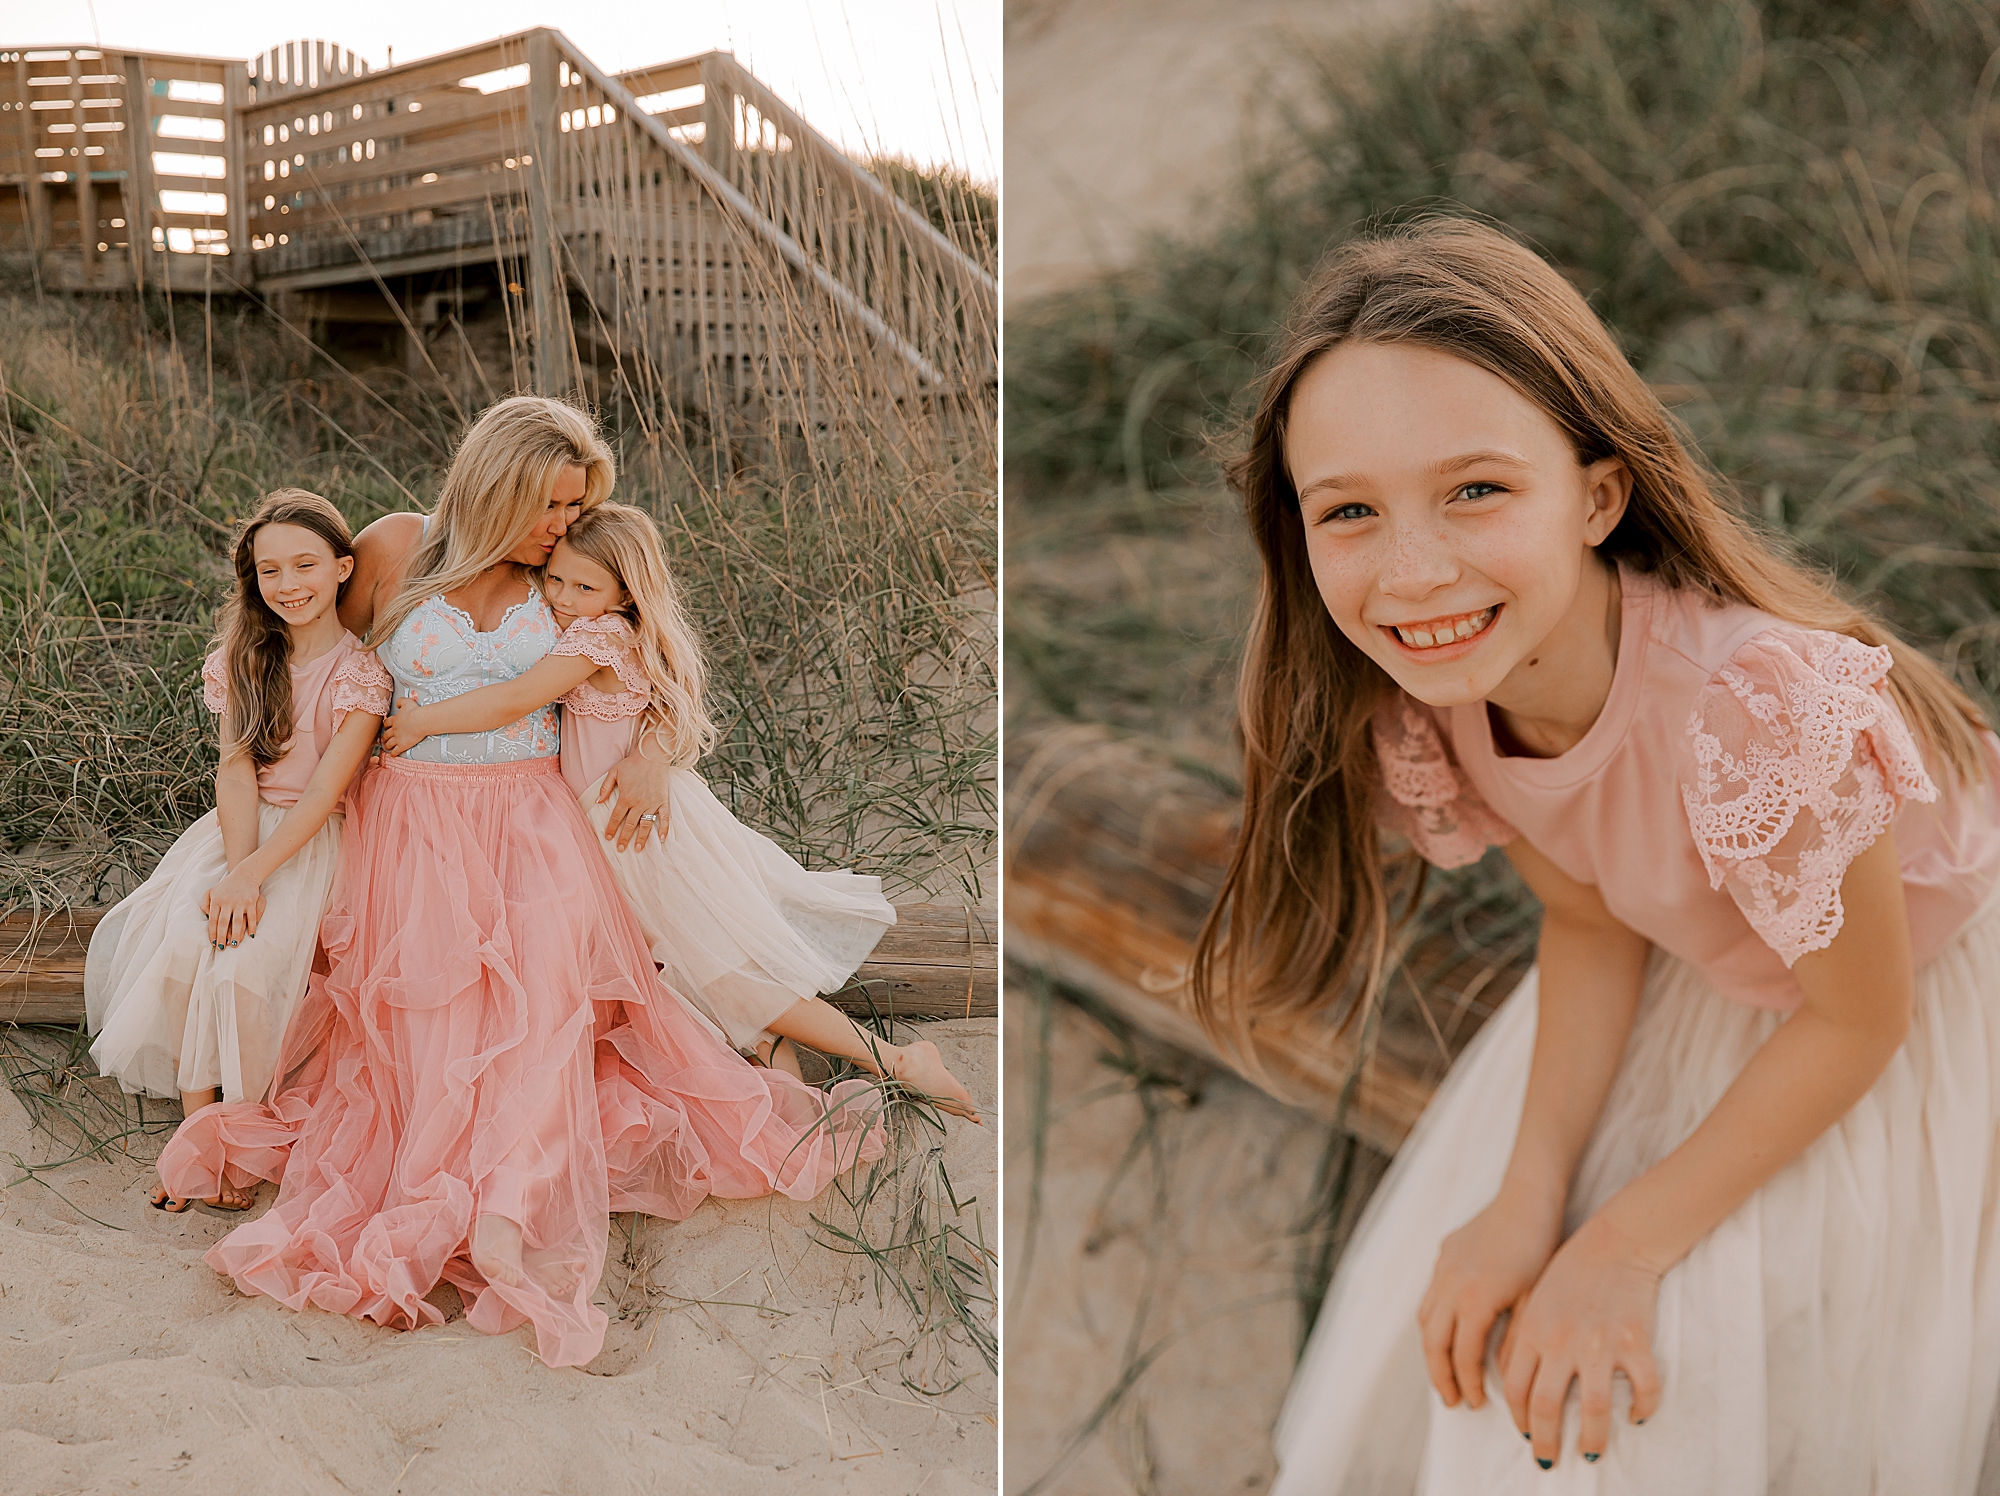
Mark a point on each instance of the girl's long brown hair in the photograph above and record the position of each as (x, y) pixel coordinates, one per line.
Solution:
(256, 644)
(625, 542)
(1303, 918)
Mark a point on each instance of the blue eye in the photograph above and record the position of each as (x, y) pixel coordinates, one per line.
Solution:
(1352, 510)
(1467, 491)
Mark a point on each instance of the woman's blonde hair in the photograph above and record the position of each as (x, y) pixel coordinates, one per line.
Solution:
(497, 490)
(626, 543)
(1302, 918)
(256, 643)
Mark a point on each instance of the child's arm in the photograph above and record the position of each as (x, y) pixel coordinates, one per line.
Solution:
(490, 706)
(1593, 1309)
(1589, 971)
(236, 804)
(235, 905)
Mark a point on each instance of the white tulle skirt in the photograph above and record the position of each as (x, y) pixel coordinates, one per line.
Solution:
(740, 930)
(1839, 1335)
(169, 1013)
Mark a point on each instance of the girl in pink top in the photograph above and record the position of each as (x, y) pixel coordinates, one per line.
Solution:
(741, 932)
(1713, 1204)
(191, 980)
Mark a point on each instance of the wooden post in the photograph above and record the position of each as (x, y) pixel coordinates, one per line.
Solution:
(718, 114)
(139, 194)
(546, 296)
(40, 230)
(86, 191)
(236, 94)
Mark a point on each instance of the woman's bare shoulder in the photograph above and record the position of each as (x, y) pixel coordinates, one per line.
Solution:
(381, 551)
(390, 535)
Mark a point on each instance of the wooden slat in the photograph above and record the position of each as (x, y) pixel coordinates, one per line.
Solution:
(936, 962)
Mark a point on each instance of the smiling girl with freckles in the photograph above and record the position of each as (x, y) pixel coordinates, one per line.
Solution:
(1713, 1203)
(191, 981)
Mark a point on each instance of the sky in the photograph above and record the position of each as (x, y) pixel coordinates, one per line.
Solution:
(919, 78)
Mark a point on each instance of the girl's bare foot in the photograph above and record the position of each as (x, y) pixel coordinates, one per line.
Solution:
(163, 1201)
(918, 1066)
(779, 1055)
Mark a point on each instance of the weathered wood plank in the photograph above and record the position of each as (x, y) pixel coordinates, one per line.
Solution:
(1114, 855)
(937, 961)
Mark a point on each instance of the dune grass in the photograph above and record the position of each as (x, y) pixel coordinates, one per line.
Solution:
(1784, 210)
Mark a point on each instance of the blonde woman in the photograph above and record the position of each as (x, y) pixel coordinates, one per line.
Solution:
(491, 1065)
(740, 930)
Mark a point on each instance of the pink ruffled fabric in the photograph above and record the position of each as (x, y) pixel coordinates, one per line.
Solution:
(1800, 761)
(606, 641)
(215, 683)
(360, 684)
(490, 1068)
(1425, 799)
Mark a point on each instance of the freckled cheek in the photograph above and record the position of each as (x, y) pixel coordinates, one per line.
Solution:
(1345, 575)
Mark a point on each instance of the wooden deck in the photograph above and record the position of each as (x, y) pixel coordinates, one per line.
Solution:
(509, 202)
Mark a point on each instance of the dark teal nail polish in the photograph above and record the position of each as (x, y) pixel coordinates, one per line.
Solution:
(1545, 1464)
(1591, 1457)
(1526, 1435)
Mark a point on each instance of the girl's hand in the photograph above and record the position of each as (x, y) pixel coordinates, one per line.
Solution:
(403, 731)
(1484, 1268)
(234, 907)
(641, 812)
(1591, 1314)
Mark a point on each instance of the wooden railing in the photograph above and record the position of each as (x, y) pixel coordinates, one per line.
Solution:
(123, 165)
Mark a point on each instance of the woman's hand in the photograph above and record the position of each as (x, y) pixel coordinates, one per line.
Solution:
(1484, 1268)
(234, 907)
(641, 786)
(405, 730)
(1590, 1315)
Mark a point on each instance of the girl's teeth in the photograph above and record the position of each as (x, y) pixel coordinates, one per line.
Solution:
(1449, 632)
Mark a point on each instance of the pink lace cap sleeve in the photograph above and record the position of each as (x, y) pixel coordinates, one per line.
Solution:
(1425, 797)
(1800, 760)
(361, 683)
(607, 641)
(215, 684)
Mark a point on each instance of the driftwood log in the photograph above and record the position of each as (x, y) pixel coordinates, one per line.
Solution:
(938, 961)
(1114, 854)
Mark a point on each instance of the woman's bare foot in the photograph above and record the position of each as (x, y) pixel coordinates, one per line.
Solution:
(231, 1198)
(495, 1249)
(918, 1066)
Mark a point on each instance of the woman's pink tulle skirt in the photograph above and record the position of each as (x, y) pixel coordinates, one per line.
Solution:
(489, 1069)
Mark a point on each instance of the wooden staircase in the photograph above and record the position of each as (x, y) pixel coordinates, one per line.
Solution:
(678, 228)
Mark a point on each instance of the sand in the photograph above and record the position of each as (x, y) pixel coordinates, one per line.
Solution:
(127, 1364)
(1194, 1240)
(1126, 118)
